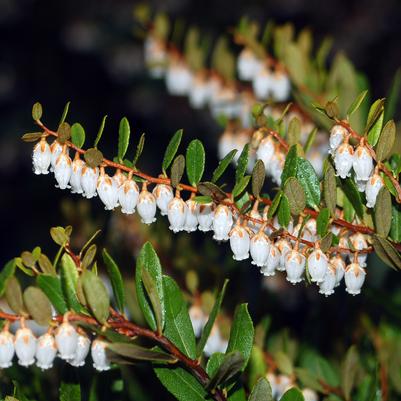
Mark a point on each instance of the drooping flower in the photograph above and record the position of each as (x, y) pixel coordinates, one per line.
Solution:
(284, 247)
(239, 242)
(222, 222)
(205, 216)
(55, 148)
(317, 265)
(63, 169)
(7, 349)
(89, 176)
(339, 265)
(46, 351)
(326, 287)
(337, 136)
(373, 186)
(191, 217)
(99, 357)
(25, 346)
(362, 163)
(81, 352)
(66, 340)
(280, 86)
(247, 64)
(259, 248)
(343, 160)
(119, 178)
(107, 190)
(262, 83)
(198, 319)
(76, 174)
(273, 260)
(354, 278)
(146, 206)
(295, 266)
(163, 194)
(359, 242)
(176, 212)
(128, 195)
(41, 157)
(215, 342)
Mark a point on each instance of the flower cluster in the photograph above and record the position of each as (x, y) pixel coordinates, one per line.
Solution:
(65, 341)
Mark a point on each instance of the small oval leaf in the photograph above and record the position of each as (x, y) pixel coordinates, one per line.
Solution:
(195, 161)
(38, 305)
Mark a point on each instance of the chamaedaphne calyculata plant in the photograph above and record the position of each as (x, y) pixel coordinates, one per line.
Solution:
(314, 190)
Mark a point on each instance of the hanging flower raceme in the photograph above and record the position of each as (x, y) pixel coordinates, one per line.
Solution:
(41, 157)
(146, 205)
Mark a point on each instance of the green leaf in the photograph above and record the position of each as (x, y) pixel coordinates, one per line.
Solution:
(13, 294)
(393, 97)
(310, 140)
(116, 280)
(69, 279)
(326, 242)
(258, 177)
(307, 177)
(383, 212)
(284, 214)
(375, 121)
(210, 322)
(349, 371)
(77, 135)
(59, 235)
(38, 305)
(89, 256)
(223, 164)
(322, 221)
(151, 291)
(293, 394)
(356, 103)
(195, 162)
(51, 286)
(96, 296)
(275, 203)
(241, 334)
(178, 326)
(386, 252)
(353, 195)
(177, 170)
(182, 384)
(395, 232)
(202, 199)
(257, 366)
(284, 363)
(294, 131)
(65, 112)
(261, 391)
(70, 392)
(242, 163)
(210, 189)
(136, 352)
(171, 150)
(124, 132)
(290, 165)
(214, 362)
(100, 132)
(148, 259)
(37, 111)
(7, 272)
(232, 364)
(386, 141)
(46, 266)
(139, 150)
(295, 196)
(241, 185)
(330, 189)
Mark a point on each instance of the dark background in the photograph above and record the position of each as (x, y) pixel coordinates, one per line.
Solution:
(85, 52)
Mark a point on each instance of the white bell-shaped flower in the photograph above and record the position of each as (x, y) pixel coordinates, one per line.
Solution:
(276, 167)
(343, 160)
(310, 395)
(199, 93)
(317, 265)
(372, 189)
(359, 242)
(247, 64)
(259, 248)
(215, 342)
(311, 226)
(339, 265)
(273, 260)
(284, 246)
(76, 174)
(362, 163)
(265, 150)
(46, 351)
(326, 287)
(255, 220)
(205, 215)
(222, 223)
(239, 242)
(41, 157)
(198, 319)
(226, 143)
(99, 357)
(354, 278)
(7, 349)
(119, 178)
(107, 190)
(55, 148)
(178, 79)
(89, 176)
(262, 83)
(176, 212)
(25, 346)
(163, 194)
(66, 340)
(282, 384)
(337, 136)
(146, 206)
(82, 351)
(63, 170)
(281, 87)
(191, 217)
(295, 266)
(128, 195)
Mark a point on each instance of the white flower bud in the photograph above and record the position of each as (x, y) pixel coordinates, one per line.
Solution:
(191, 217)
(99, 357)
(284, 247)
(372, 189)
(41, 157)
(66, 340)
(326, 287)
(146, 206)
(317, 265)
(198, 319)
(259, 248)
(273, 260)
(362, 163)
(295, 266)
(281, 87)
(343, 160)
(358, 241)
(265, 150)
(6, 348)
(178, 79)
(82, 351)
(176, 212)
(354, 278)
(25, 346)
(163, 195)
(63, 170)
(205, 216)
(55, 148)
(107, 190)
(46, 351)
(247, 65)
(128, 195)
(76, 173)
(337, 136)
(222, 222)
(239, 242)
(262, 83)
(89, 178)
(310, 395)
(339, 265)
